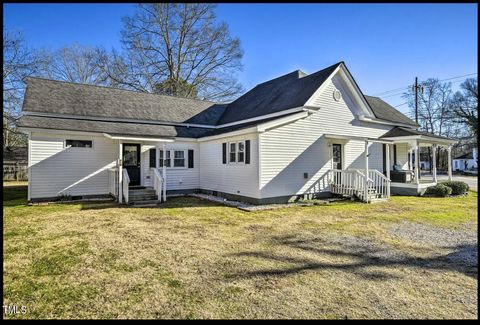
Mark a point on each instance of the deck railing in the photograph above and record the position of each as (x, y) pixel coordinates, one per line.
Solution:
(351, 182)
(125, 184)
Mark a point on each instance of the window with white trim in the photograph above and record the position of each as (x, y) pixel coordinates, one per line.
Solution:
(179, 158)
(79, 143)
(241, 151)
(167, 159)
(232, 150)
(173, 158)
(236, 152)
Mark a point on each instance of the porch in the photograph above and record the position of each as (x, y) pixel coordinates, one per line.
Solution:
(401, 170)
(126, 180)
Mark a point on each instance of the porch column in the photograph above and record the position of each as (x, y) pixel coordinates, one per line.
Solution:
(449, 151)
(417, 163)
(366, 171)
(410, 156)
(434, 162)
(387, 164)
(164, 172)
(120, 173)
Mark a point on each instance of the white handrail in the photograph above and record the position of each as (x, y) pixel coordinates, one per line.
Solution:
(125, 184)
(158, 183)
(351, 182)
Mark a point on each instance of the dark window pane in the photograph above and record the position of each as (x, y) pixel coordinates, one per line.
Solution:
(78, 143)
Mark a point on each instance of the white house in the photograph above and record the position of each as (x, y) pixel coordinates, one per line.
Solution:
(293, 136)
(468, 161)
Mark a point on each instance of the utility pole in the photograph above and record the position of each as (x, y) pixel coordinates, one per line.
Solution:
(416, 99)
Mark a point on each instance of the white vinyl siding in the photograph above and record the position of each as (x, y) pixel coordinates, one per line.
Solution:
(59, 170)
(233, 178)
(179, 178)
(300, 147)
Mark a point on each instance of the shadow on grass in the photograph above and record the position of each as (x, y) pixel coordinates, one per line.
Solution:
(355, 255)
(17, 196)
(14, 195)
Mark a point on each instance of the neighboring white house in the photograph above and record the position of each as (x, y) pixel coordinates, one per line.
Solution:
(468, 161)
(293, 136)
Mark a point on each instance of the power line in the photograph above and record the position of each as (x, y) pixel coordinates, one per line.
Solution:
(402, 104)
(406, 87)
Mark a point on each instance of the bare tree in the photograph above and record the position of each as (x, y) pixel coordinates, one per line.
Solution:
(74, 63)
(464, 105)
(176, 49)
(19, 62)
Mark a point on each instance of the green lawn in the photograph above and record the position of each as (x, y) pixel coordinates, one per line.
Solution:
(196, 259)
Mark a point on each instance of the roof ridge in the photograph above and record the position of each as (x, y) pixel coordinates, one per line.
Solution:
(110, 87)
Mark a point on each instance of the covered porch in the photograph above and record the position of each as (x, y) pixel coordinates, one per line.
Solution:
(407, 179)
(400, 174)
(126, 179)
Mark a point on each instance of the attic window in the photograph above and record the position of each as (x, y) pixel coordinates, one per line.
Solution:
(337, 95)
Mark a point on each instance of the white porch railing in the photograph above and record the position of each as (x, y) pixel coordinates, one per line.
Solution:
(113, 181)
(351, 182)
(125, 184)
(158, 184)
(379, 183)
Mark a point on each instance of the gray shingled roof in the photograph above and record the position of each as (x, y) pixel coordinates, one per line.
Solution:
(58, 97)
(138, 129)
(404, 132)
(288, 91)
(384, 111)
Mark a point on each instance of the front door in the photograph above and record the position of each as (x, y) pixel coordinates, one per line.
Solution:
(131, 161)
(337, 161)
(337, 156)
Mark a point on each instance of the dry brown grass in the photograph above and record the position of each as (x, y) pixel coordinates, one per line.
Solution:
(194, 259)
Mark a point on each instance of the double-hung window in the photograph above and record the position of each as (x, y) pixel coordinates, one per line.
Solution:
(173, 158)
(167, 159)
(179, 158)
(241, 151)
(233, 156)
(236, 152)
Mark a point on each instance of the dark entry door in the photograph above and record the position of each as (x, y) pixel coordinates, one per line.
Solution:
(131, 161)
(337, 156)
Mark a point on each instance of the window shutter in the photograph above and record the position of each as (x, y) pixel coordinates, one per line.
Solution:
(153, 157)
(224, 152)
(190, 158)
(247, 151)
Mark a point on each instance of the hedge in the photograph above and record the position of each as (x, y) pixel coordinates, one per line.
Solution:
(458, 187)
(438, 190)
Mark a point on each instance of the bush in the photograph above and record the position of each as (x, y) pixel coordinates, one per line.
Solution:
(439, 190)
(458, 188)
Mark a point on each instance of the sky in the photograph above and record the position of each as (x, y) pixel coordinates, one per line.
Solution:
(385, 46)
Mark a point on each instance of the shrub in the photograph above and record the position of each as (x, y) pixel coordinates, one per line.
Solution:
(439, 190)
(458, 188)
